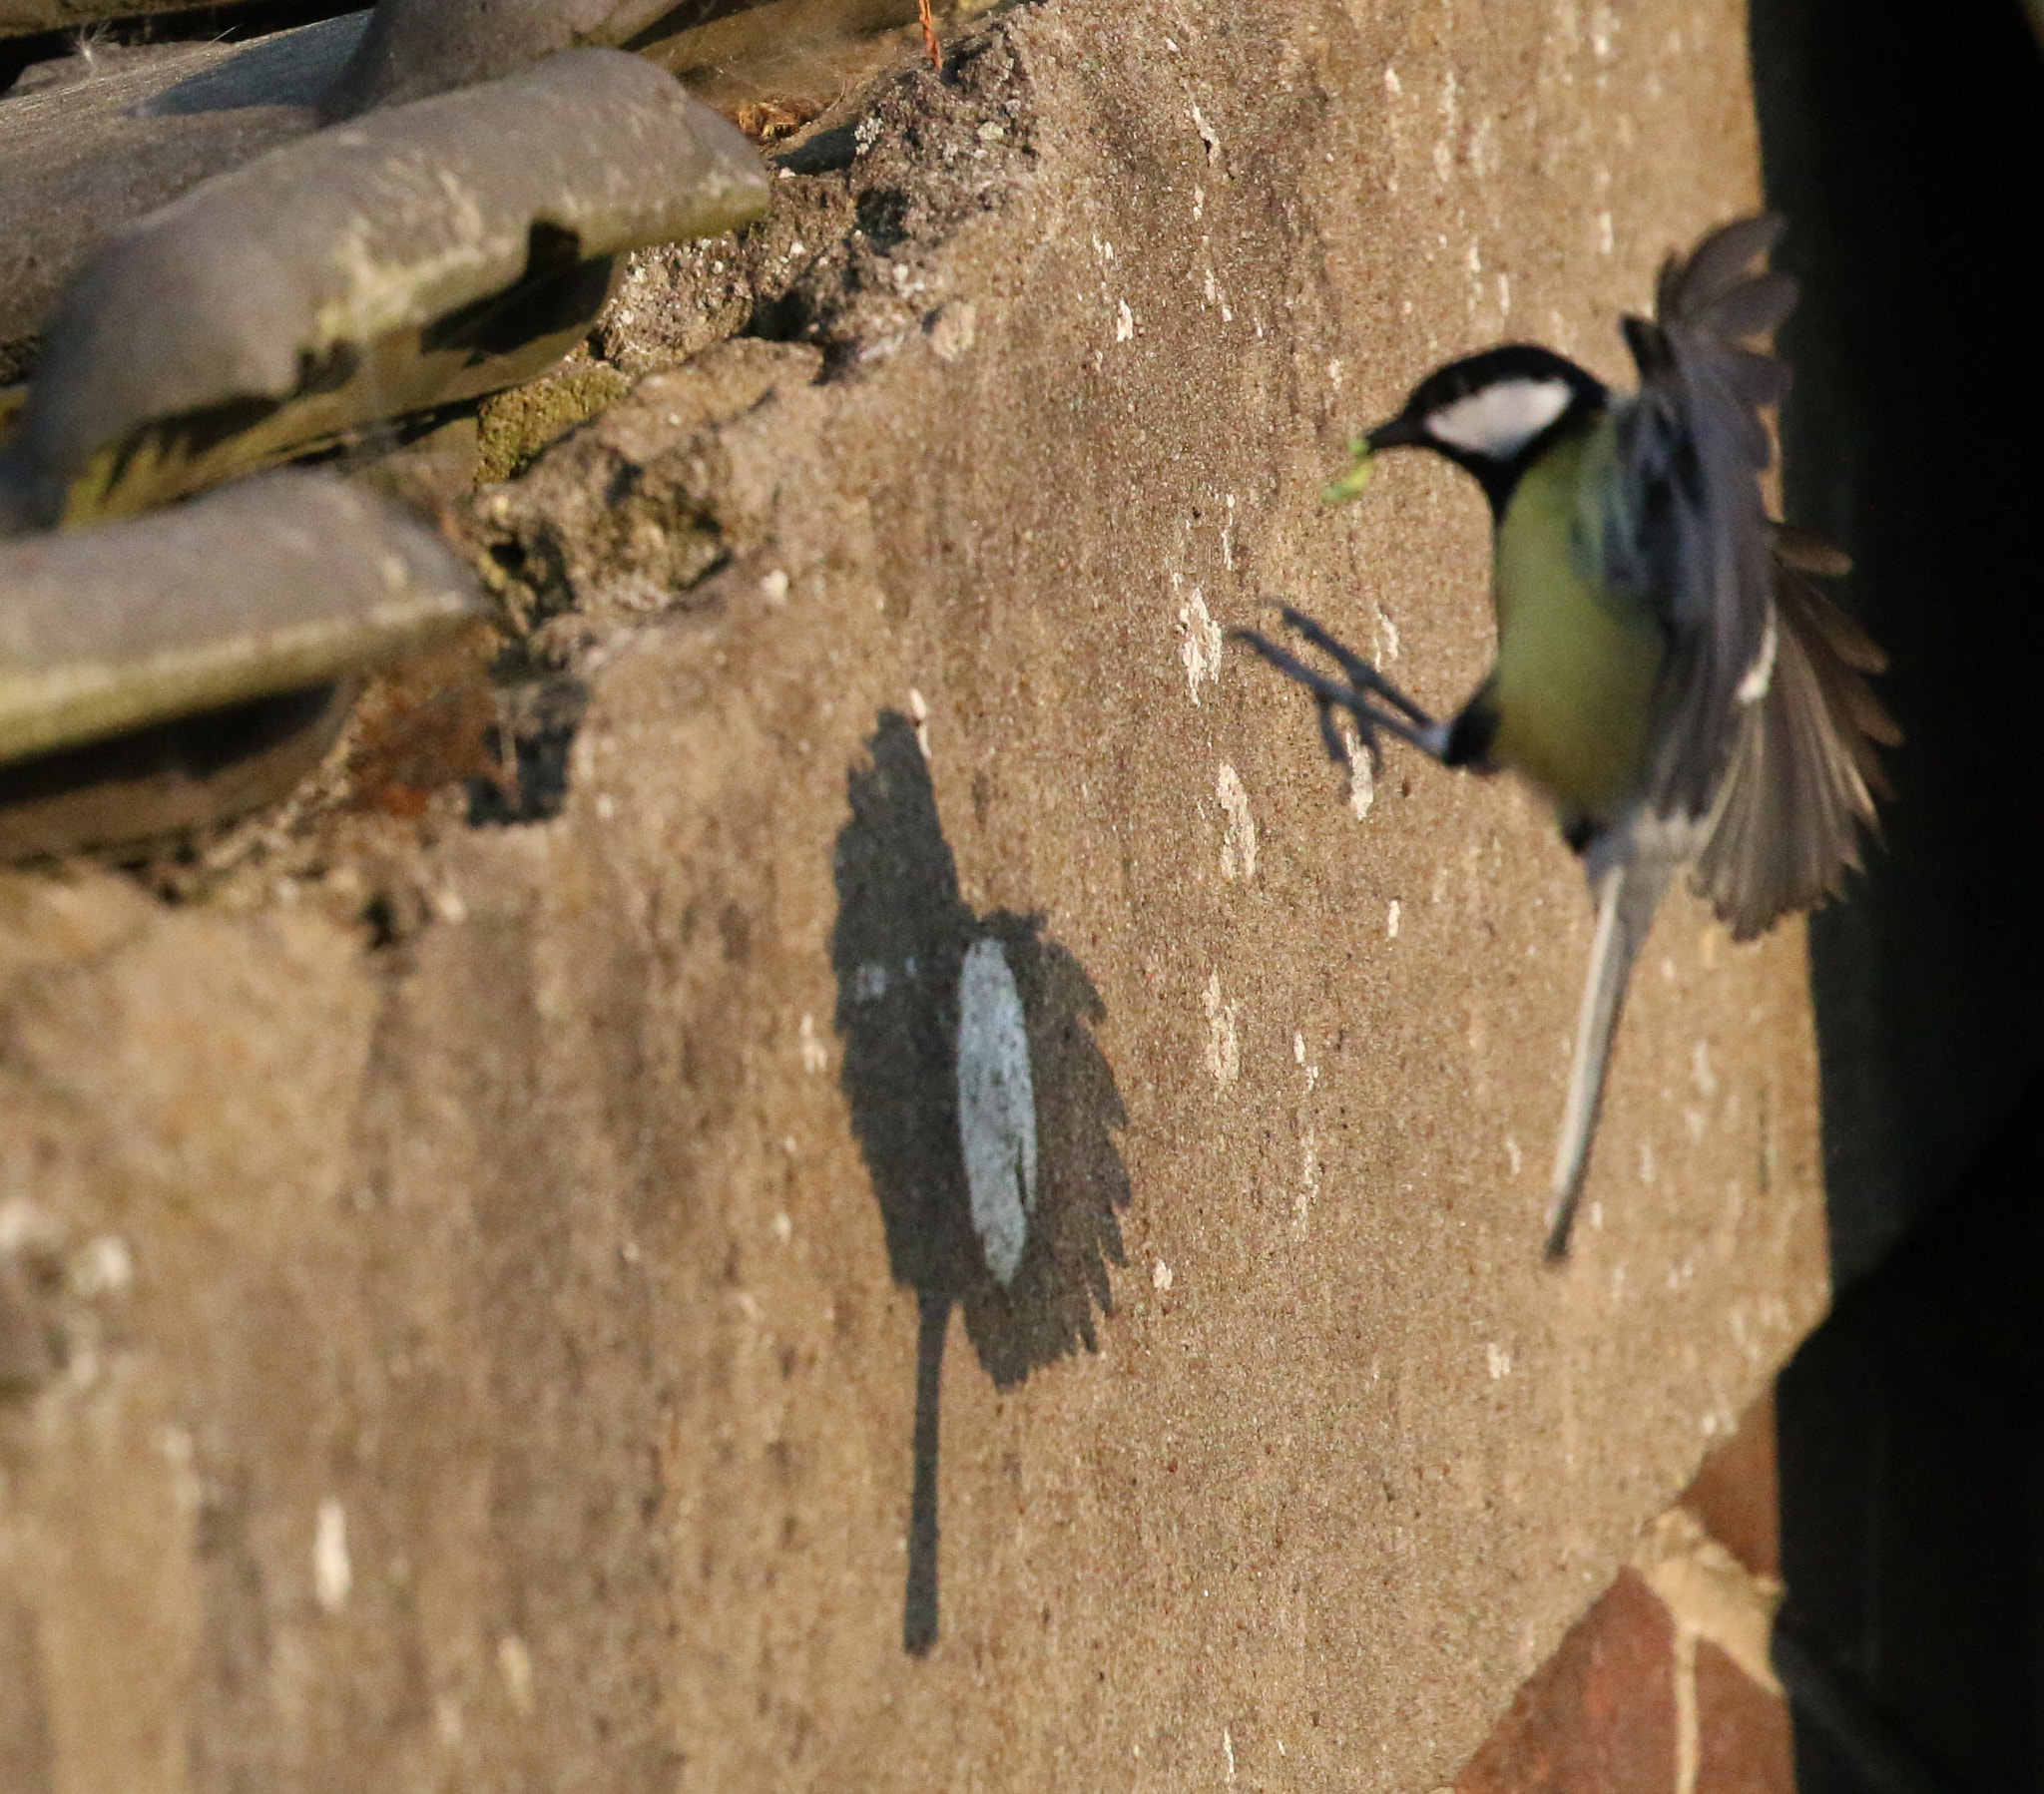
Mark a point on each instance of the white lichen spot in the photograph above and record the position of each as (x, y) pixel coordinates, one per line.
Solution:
(1298, 1046)
(1387, 635)
(1124, 323)
(1362, 774)
(1160, 1276)
(1199, 202)
(1484, 155)
(1497, 1361)
(1392, 916)
(1223, 1047)
(1694, 1121)
(816, 1056)
(1647, 1172)
(1200, 644)
(952, 330)
(1308, 1181)
(103, 1266)
(784, 1228)
(996, 1108)
(333, 1574)
(514, 1664)
(1208, 135)
(1700, 1072)
(1334, 373)
(1444, 149)
(1606, 239)
(774, 586)
(1513, 1157)
(1392, 85)
(1504, 296)
(919, 708)
(1238, 849)
(1227, 1749)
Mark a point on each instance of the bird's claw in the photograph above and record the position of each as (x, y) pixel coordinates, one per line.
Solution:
(1403, 718)
(1327, 695)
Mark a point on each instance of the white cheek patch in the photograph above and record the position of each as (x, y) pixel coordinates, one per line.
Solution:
(1497, 421)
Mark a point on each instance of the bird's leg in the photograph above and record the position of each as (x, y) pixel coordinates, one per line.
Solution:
(1369, 696)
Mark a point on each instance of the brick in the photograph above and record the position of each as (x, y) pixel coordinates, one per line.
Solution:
(1743, 1740)
(1736, 1493)
(1599, 1716)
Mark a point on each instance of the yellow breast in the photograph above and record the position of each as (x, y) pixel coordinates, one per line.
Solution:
(1576, 666)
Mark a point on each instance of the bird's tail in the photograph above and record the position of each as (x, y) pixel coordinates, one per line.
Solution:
(1628, 891)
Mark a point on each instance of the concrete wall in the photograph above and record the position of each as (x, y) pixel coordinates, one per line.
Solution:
(492, 1307)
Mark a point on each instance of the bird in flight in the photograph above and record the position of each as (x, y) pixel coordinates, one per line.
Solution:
(1668, 674)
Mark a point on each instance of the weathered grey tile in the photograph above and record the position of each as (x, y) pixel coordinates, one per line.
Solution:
(414, 48)
(91, 144)
(273, 585)
(250, 609)
(399, 263)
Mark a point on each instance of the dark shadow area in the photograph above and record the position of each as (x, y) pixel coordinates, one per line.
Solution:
(901, 937)
(155, 784)
(1912, 169)
(293, 69)
(823, 151)
(532, 741)
(1912, 1498)
(1910, 164)
(558, 291)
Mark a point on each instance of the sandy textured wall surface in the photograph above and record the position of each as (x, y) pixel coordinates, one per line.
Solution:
(530, 1335)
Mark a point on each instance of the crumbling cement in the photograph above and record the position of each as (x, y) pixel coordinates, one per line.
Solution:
(513, 1353)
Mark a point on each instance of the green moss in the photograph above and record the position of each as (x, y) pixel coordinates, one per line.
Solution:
(516, 424)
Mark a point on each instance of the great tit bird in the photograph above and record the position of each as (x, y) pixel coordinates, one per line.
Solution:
(1667, 674)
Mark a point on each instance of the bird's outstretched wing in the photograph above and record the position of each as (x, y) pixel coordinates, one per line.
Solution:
(1804, 772)
(1687, 533)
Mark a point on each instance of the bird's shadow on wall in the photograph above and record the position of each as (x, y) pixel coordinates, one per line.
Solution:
(902, 938)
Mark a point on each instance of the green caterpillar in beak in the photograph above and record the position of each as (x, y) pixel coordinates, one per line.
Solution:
(1350, 485)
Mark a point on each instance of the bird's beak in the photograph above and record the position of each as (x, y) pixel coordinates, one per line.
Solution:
(1401, 432)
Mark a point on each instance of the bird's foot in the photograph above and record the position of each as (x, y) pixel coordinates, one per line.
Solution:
(1376, 705)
